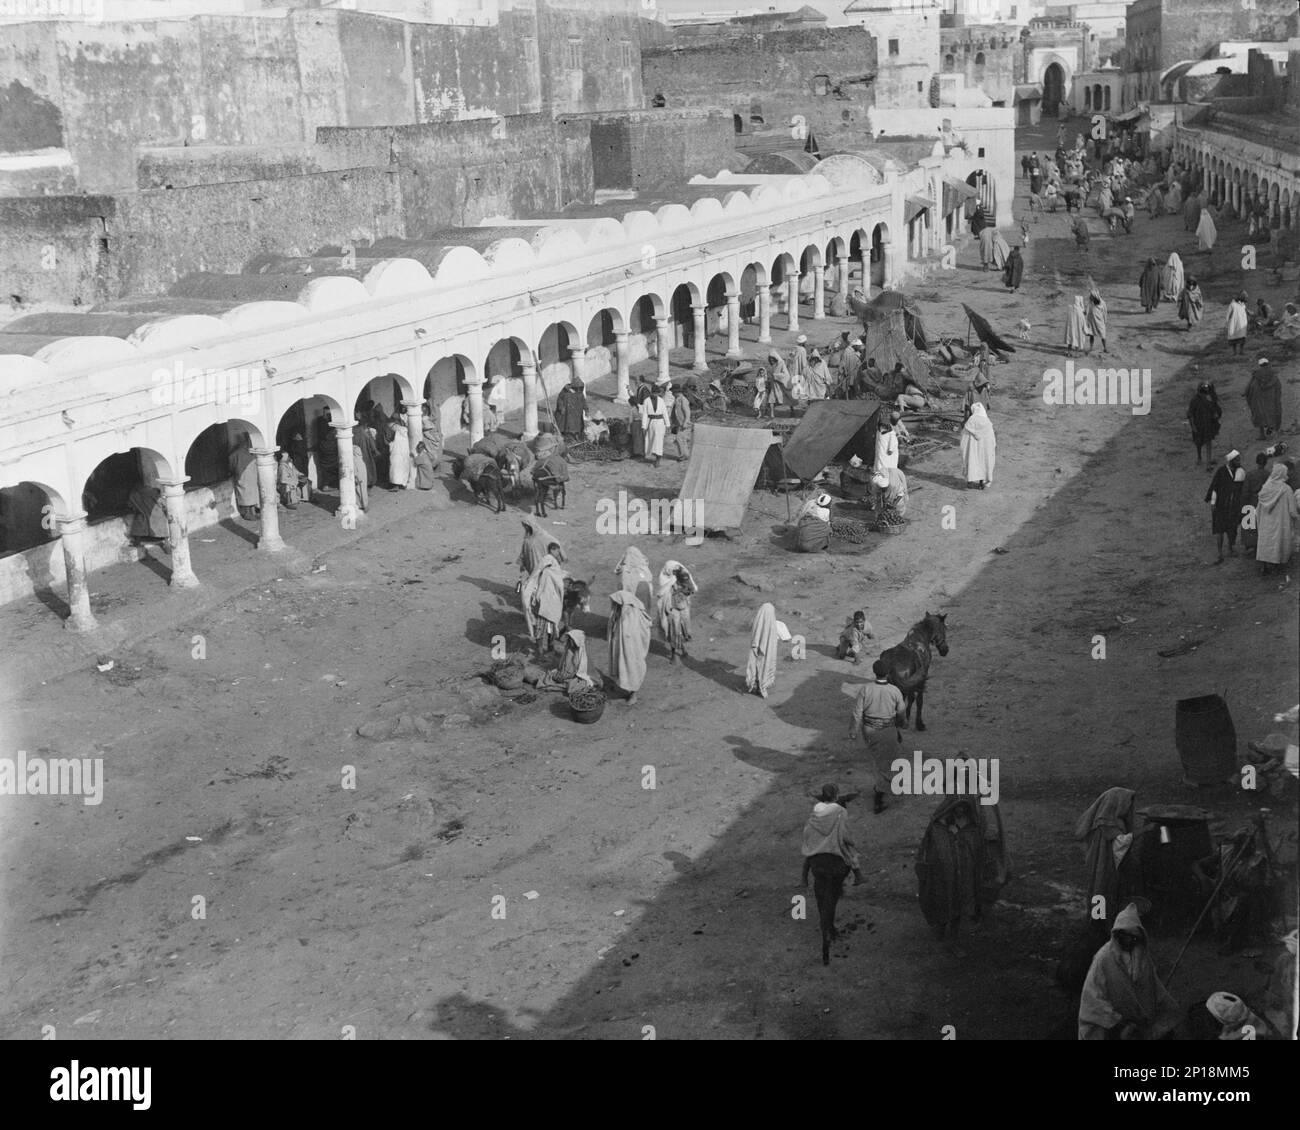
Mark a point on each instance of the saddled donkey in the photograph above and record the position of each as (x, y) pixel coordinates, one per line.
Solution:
(482, 475)
(514, 461)
(549, 476)
(909, 661)
(829, 872)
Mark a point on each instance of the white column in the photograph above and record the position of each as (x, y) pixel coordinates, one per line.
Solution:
(792, 310)
(269, 540)
(665, 325)
(764, 315)
(733, 325)
(624, 391)
(178, 533)
(846, 276)
(819, 293)
(71, 529)
(888, 251)
(530, 401)
(578, 363)
(475, 387)
(348, 511)
(701, 364)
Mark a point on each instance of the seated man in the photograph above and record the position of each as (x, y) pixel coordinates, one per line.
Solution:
(904, 391)
(1123, 999)
(853, 638)
(813, 525)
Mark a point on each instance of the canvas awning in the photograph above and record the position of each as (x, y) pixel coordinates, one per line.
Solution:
(913, 206)
(721, 474)
(1127, 116)
(825, 431)
(1028, 92)
(955, 194)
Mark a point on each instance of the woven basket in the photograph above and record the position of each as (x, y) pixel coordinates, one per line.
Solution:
(593, 706)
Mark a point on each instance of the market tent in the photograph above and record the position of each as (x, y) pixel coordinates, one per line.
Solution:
(886, 302)
(824, 432)
(721, 474)
(888, 341)
(986, 333)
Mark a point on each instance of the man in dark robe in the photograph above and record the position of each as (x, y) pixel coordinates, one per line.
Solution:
(1149, 286)
(571, 410)
(1264, 395)
(149, 515)
(1203, 414)
(365, 442)
(1013, 271)
(1224, 497)
(1255, 478)
(327, 453)
(950, 867)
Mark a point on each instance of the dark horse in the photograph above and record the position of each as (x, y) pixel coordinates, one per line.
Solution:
(909, 661)
(829, 872)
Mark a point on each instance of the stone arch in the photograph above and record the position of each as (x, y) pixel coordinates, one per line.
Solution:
(658, 102)
(506, 358)
(25, 523)
(207, 458)
(303, 429)
(446, 379)
(106, 490)
(685, 297)
(982, 182)
(558, 352)
(384, 393)
(603, 325)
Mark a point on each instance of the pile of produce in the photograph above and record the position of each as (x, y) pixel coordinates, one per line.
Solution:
(587, 698)
(848, 530)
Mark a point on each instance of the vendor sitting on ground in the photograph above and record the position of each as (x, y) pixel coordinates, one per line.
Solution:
(812, 532)
(890, 497)
(904, 391)
(853, 638)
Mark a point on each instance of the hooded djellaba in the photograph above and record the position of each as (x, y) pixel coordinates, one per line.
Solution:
(629, 642)
(1123, 998)
(1107, 826)
(1264, 396)
(1014, 270)
(1149, 285)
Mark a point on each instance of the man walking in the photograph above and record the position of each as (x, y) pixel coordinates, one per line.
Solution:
(878, 713)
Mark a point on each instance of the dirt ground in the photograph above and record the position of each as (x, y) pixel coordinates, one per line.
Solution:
(372, 907)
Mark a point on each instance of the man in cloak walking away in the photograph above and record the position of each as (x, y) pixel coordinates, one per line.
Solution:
(1235, 327)
(1107, 826)
(1275, 521)
(768, 633)
(988, 241)
(978, 447)
(1203, 414)
(1191, 303)
(1014, 271)
(673, 594)
(826, 832)
(243, 468)
(1123, 999)
(1171, 278)
(1224, 497)
(1094, 318)
(1264, 396)
(1149, 286)
(950, 868)
(629, 642)
(1076, 327)
(571, 410)
(878, 715)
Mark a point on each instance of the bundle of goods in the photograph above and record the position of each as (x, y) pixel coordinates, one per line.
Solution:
(507, 674)
(848, 530)
(584, 452)
(587, 704)
(890, 524)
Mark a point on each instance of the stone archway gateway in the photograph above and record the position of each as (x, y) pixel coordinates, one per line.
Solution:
(1053, 89)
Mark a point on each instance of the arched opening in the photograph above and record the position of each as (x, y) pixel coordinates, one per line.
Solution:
(738, 123)
(979, 58)
(782, 268)
(1106, 98)
(602, 351)
(445, 388)
(306, 432)
(752, 279)
(809, 258)
(125, 487)
(28, 513)
(658, 102)
(1087, 97)
(879, 241)
(683, 298)
(949, 63)
(982, 183)
(559, 354)
(1053, 88)
(715, 303)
